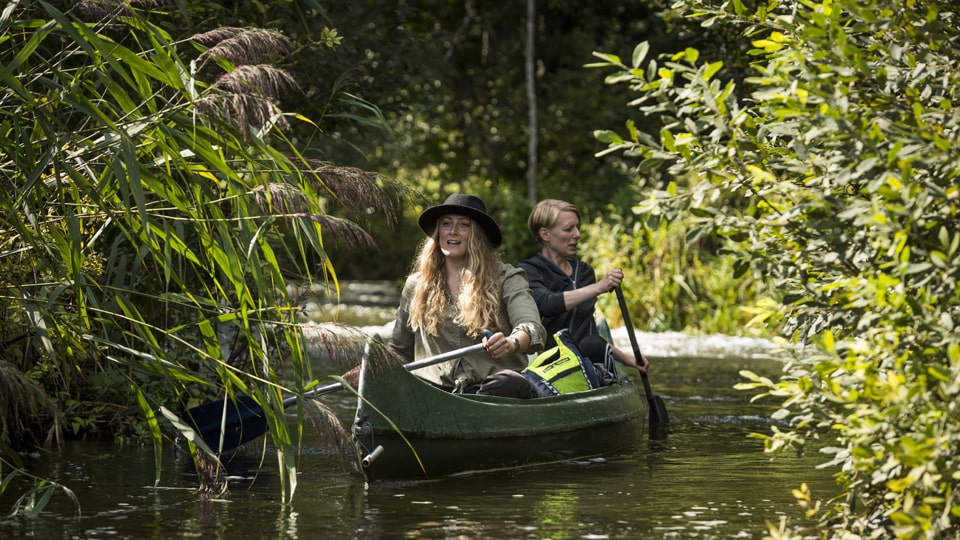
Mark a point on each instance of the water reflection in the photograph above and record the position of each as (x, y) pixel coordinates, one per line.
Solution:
(555, 514)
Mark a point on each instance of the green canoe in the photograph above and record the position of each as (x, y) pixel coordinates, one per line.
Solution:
(433, 433)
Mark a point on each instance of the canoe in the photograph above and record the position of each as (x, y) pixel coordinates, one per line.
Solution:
(406, 428)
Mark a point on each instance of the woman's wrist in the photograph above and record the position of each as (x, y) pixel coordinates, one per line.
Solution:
(516, 342)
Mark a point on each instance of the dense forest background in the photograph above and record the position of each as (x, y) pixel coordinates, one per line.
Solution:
(455, 106)
(172, 172)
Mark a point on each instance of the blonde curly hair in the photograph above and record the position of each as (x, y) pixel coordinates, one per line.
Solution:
(479, 299)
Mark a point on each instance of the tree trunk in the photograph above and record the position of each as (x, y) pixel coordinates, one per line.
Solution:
(531, 65)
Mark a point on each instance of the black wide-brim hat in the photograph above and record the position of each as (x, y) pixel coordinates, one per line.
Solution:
(462, 205)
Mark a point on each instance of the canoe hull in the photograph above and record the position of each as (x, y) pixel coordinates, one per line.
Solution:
(445, 434)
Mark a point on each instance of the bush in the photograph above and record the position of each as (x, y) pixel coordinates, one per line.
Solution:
(670, 284)
(830, 171)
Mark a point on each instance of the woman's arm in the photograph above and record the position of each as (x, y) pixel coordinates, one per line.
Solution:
(522, 313)
(628, 359)
(574, 298)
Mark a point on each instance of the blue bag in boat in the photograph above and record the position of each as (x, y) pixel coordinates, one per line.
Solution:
(561, 369)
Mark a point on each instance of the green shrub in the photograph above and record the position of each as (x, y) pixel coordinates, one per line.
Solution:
(670, 284)
(826, 157)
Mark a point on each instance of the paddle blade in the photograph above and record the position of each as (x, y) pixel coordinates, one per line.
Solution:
(658, 419)
(238, 421)
(658, 411)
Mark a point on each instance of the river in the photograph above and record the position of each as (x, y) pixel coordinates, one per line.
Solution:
(706, 480)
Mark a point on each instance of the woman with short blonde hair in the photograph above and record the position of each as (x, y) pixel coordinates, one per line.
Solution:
(564, 287)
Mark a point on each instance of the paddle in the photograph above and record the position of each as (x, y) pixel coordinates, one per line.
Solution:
(242, 419)
(658, 411)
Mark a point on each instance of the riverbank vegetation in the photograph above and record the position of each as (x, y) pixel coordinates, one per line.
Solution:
(153, 210)
(825, 160)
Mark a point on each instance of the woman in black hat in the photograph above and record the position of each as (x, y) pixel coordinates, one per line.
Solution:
(460, 287)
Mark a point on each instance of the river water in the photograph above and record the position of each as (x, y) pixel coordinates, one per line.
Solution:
(706, 480)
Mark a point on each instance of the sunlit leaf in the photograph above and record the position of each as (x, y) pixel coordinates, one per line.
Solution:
(640, 53)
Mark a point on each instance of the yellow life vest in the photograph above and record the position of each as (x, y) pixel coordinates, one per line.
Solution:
(561, 369)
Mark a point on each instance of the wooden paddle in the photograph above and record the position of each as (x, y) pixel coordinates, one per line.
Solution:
(658, 411)
(242, 419)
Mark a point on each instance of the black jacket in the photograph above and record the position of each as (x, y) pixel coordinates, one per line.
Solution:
(548, 282)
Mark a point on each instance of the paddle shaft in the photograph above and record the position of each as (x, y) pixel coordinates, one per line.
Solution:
(633, 338)
(657, 409)
(440, 358)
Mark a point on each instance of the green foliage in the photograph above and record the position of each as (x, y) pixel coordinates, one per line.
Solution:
(152, 210)
(34, 499)
(830, 170)
(449, 77)
(671, 284)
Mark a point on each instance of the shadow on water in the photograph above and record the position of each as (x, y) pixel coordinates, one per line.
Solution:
(707, 480)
